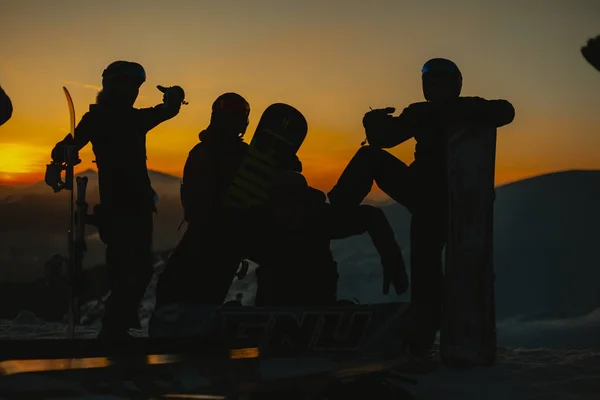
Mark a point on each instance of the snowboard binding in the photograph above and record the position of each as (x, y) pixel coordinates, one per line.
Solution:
(243, 271)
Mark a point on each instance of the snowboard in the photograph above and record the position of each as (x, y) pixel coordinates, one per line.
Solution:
(249, 350)
(468, 326)
(279, 134)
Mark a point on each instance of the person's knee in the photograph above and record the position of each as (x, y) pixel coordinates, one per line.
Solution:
(371, 212)
(370, 154)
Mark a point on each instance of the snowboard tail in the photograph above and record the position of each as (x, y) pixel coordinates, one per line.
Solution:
(468, 328)
(279, 134)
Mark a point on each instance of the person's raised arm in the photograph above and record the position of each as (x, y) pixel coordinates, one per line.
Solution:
(490, 112)
(386, 131)
(83, 135)
(173, 98)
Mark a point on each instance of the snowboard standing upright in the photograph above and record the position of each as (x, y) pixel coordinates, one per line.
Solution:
(468, 326)
(279, 134)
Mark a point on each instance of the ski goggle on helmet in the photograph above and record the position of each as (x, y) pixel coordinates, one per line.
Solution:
(441, 66)
(120, 71)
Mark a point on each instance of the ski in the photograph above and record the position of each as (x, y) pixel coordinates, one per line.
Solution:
(53, 178)
(79, 243)
(69, 175)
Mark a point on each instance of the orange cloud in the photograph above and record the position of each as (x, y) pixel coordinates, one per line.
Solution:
(84, 85)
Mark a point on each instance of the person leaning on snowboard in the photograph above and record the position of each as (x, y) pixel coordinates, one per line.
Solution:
(422, 187)
(117, 132)
(204, 262)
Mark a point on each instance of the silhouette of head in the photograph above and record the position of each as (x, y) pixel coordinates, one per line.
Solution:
(288, 198)
(121, 83)
(230, 113)
(442, 80)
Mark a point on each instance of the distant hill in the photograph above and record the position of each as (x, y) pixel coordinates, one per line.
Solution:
(35, 219)
(547, 235)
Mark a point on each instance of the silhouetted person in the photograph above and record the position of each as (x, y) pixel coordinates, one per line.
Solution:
(293, 245)
(204, 262)
(6, 108)
(422, 187)
(591, 52)
(117, 132)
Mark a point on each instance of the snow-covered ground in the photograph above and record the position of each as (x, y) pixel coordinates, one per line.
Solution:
(520, 373)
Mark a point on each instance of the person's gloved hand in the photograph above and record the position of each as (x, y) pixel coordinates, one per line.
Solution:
(65, 152)
(591, 52)
(394, 273)
(378, 116)
(376, 123)
(173, 96)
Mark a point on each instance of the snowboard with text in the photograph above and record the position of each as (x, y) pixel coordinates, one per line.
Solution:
(279, 134)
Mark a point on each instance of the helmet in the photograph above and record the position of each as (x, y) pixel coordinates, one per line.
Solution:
(440, 71)
(440, 65)
(231, 110)
(124, 70)
(231, 103)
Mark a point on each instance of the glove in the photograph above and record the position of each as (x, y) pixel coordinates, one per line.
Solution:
(591, 52)
(172, 96)
(376, 123)
(394, 272)
(376, 117)
(65, 152)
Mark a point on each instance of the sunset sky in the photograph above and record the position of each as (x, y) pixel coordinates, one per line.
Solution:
(331, 59)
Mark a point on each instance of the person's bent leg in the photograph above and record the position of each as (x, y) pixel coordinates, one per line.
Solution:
(371, 164)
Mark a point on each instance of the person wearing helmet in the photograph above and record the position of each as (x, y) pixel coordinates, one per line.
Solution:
(6, 108)
(293, 245)
(591, 52)
(221, 147)
(201, 268)
(422, 187)
(117, 132)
